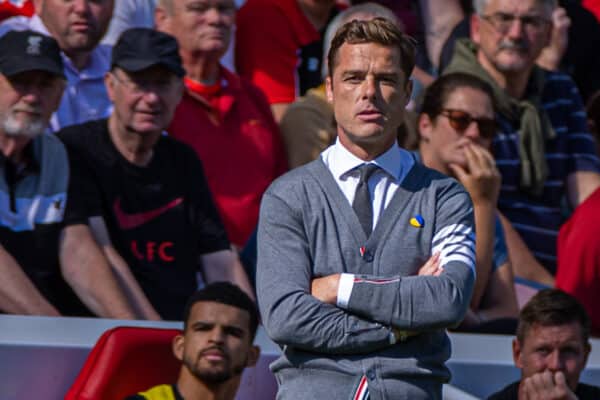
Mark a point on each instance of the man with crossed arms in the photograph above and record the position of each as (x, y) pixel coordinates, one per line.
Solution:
(364, 255)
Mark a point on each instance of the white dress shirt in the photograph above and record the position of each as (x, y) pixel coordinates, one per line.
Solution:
(394, 163)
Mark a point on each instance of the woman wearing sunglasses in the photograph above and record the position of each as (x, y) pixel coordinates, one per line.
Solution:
(456, 128)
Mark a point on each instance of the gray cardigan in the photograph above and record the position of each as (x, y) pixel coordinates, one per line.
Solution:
(308, 229)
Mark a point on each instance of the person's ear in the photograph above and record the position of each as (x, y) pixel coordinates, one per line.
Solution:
(516, 349)
(329, 89)
(109, 82)
(253, 356)
(177, 346)
(425, 127)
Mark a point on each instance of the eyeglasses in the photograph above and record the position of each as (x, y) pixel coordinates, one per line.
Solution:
(502, 22)
(142, 86)
(460, 120)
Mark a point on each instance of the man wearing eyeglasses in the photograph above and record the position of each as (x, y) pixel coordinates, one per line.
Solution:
(140, 218)
(543, 150)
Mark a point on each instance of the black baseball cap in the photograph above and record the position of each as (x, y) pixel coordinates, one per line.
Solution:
(141, 48)
(22, 51)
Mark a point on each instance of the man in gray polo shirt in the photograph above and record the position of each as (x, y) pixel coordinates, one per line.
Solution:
(364, 256)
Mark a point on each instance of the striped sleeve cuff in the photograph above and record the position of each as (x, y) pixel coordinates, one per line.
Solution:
(344, 290)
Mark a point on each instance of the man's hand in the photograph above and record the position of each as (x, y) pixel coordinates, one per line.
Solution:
(431, 267)
(325, 288)
(481, 177)
(553, 53)
(546, 386)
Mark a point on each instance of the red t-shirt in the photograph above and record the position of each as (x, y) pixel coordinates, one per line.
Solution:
(593, 6)
(278, 49)
(578, 253)
(231, 128)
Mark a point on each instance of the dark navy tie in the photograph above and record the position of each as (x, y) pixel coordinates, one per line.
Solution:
(362, 204)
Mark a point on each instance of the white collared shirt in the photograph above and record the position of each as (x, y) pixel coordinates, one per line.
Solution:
(394, 163)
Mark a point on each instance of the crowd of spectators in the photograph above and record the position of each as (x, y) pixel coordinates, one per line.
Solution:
(243, 89)
(138, 137)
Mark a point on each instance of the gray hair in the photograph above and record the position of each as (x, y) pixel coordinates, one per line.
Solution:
(481, 5)
(362, 11)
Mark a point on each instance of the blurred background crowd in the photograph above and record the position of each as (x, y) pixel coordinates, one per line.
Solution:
(115, 222)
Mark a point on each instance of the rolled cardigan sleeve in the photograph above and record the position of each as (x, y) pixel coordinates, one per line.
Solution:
(290, 314)
(427, 302)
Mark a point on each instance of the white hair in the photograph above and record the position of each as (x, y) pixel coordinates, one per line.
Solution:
(481, 5)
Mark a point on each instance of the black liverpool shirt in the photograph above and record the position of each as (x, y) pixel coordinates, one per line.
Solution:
(160, 218)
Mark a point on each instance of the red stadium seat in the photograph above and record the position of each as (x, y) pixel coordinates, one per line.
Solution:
(124, 361)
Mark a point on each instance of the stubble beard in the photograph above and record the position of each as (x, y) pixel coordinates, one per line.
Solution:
(212, 376)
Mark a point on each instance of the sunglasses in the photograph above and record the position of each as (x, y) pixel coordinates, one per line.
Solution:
(460, 120)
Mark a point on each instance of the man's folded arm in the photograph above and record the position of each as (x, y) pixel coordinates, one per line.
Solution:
(426, 302)
(291, 315)
(415, 303)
